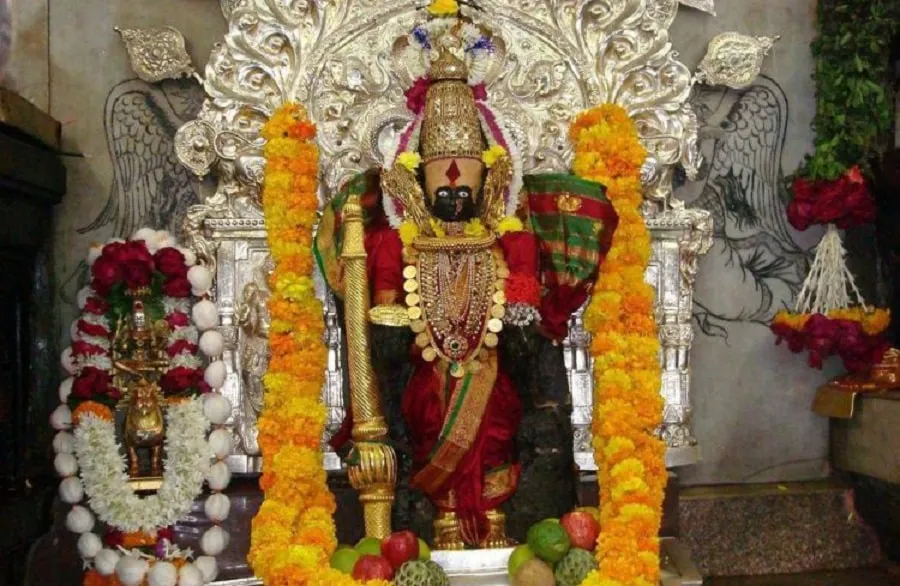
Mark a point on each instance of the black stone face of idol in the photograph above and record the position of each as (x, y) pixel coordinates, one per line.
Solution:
(453, 204)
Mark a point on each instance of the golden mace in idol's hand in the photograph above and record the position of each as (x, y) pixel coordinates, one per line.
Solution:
(372, 463)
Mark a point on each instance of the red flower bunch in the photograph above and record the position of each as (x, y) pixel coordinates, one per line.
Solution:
(416, 94)
(523, 289)
(823, 337)
(163, 276)
(171, 264)
(845, 202)
(181, 379)
(132, 264)
(128, 262)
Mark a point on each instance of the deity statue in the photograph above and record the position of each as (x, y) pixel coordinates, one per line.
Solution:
(252, 318)
(472, 272)
(139, 360)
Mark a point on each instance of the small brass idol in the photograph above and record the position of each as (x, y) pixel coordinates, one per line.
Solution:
(144, 426)
(139, 361)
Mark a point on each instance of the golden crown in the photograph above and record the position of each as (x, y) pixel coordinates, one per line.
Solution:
(451, 126)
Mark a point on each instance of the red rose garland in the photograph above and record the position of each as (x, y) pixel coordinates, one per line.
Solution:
(130, 265)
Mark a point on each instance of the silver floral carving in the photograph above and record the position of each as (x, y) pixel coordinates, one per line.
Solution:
(192, 145)
(734, 60)
(708, 6)
(347, 62)
(157, 53)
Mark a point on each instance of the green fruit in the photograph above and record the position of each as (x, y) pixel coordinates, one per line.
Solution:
(438, 573)
(519, 556)
(344, 559)
(534, 572)
(415, 573)
(424, 550)
(573, 568)
(369, 546)
(549, 541)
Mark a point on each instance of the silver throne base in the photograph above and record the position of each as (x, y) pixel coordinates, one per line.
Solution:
(487, 567)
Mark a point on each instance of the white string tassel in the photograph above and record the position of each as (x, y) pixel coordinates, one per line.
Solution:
(829, 284)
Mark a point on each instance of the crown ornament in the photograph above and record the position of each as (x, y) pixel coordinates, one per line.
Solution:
(451, 126)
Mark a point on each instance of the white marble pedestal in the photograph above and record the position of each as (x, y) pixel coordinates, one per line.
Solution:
(487, 567)
(483, 567)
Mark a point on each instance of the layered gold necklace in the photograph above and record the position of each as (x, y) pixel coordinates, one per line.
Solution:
(455, 297)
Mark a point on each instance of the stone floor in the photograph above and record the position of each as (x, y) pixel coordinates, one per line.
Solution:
(842, 578)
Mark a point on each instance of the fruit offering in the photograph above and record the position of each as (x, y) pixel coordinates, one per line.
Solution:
(399, 548)
(401, 557)
(583, 529)
(549, 541)
(369, 546)
(518, 557)
(573, 568)
(421, 573)
(534, 572)
(559, 552)
(372, 567)
(344, 559)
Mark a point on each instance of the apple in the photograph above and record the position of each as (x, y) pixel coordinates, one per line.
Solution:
(373, 567)
(369, 546)
(583, 529)
(344, 559)
(399, 548)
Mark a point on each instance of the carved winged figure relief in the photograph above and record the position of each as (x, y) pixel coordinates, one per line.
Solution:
(150, 186)
(743, 185)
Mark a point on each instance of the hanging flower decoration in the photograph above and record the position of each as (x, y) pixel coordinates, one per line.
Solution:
(830, 316)
(855, 335)
(625, 350)
(138, 544)
(293, 535)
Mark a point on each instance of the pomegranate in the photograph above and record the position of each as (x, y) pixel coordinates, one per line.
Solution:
(583, 529)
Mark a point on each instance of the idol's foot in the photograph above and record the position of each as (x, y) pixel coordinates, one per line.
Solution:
(447, 533)
(496, 538)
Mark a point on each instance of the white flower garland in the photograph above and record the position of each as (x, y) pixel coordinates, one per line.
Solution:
(94, 449)
(105, 479)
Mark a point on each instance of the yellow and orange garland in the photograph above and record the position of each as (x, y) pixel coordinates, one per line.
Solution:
(293, 535)
(625, 348)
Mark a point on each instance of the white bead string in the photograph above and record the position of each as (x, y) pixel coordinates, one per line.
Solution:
(830, 284)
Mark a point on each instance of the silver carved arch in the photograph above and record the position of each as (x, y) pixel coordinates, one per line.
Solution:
(345, 60)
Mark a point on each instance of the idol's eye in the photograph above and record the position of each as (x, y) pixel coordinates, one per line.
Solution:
(464, 192)
(444, 192)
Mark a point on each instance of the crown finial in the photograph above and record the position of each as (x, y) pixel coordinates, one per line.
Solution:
(447, 67)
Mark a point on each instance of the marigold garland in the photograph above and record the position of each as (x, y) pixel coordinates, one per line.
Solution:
(293, 535)
(625, 349)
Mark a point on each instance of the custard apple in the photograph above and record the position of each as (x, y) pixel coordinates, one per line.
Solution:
(439, 575)
(415, 573)
(573, 568)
